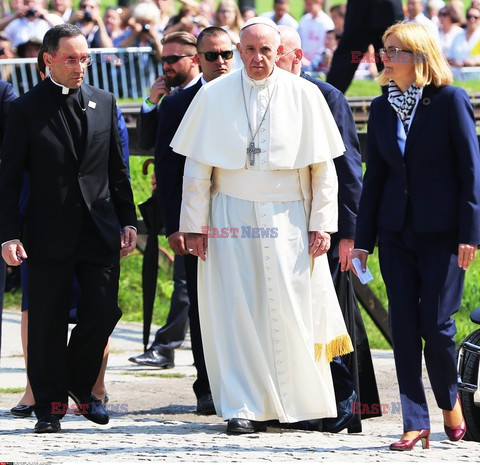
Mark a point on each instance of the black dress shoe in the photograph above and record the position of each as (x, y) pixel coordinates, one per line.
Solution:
(22, 410)
(344, 418)
(243, 426)
(305, 425)
(91, 408)
(50, 424)
(153, 358)
(205, 405)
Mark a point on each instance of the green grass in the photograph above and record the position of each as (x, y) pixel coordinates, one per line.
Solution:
(130, 292)
(15, 390)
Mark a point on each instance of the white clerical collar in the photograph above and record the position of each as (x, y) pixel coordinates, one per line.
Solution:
(65, 90)
(261, 82)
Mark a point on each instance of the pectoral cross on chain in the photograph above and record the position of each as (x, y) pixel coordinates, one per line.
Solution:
(252, 151)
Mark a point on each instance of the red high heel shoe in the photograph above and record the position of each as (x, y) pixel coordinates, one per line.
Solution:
(423, 434)
(456, 433)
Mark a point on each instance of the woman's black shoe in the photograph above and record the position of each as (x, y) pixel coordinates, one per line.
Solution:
(22, 411)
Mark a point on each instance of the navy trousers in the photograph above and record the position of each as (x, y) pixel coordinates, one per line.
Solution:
(172, 334)
(424, 287)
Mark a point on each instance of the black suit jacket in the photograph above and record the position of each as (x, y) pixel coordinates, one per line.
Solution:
(438, 177)
(160, 126)
(348, 166)
(61, 185)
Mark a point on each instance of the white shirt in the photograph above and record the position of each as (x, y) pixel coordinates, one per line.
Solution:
(447, 38)
(461, 47)
(422, 19)
(147, 108)
(286, 20)
(21, 30)
(312, 32)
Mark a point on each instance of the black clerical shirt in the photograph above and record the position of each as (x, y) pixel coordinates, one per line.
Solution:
(73, 114)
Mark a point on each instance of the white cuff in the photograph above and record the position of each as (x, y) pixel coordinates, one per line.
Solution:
(362, 250)
(10, 241)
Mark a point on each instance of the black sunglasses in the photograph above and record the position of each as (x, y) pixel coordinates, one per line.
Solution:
(213, 56)
(171, 59)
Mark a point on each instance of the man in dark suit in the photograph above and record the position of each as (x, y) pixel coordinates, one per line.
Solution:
(7, 95)
(214, 54)
(79, 220)
(349, 171)
(181, 72)
(365, 23)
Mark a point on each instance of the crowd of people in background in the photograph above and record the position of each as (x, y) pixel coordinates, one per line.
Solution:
(146, 22)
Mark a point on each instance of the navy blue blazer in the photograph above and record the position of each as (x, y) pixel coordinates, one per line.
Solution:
(160, 127)
(348, 166)
(439, 174)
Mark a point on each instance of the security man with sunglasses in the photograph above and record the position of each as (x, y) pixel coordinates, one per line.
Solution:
(213, 53)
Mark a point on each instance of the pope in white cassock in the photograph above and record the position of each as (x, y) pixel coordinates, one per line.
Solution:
(260, 184)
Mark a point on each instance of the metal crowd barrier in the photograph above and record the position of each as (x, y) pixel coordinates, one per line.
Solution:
(125, 72)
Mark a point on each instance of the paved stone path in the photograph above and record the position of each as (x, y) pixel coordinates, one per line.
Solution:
(153, 419)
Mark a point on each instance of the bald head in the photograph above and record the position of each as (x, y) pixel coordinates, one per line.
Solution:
(290, 37)
(259, 48)
(291, 58)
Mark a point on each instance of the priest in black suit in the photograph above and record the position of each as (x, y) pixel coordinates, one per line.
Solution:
(79, 220)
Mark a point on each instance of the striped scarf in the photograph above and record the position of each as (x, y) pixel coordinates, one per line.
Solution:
(403, 103)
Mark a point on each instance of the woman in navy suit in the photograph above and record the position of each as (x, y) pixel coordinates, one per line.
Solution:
(421, 199)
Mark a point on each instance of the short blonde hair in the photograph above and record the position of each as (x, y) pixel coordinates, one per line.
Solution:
(431, 66)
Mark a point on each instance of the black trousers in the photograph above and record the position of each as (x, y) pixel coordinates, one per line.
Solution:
(53, 367)
(184, 309)
(172, 334)
(345, 62)
(201, 386)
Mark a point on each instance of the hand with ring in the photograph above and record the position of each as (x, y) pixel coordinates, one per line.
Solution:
(197, 244)
(319, 243)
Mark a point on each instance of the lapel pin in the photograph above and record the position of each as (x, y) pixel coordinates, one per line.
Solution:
(426, 101)
(92, 105)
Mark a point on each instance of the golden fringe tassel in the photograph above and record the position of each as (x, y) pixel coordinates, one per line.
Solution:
(339, 346)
